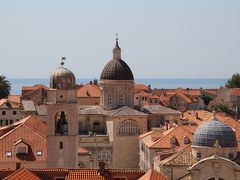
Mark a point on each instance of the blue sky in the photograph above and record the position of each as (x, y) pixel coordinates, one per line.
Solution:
(159, 39)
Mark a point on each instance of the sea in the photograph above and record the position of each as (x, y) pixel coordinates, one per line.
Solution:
(17, 83)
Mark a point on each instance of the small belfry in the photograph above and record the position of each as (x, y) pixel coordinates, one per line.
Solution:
(62, 119)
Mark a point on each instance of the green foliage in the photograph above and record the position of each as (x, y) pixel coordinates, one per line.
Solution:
(206, 99)
(222, 107)
(5, 87)
(234, 81)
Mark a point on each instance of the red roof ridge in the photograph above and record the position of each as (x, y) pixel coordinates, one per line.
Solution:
(22, 174)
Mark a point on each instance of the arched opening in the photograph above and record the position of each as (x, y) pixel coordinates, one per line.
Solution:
(128, 127)
(61, 124)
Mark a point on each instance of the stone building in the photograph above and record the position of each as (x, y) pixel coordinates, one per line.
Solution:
(36, 93)
(213, 154)
(107, 132)
(10, 110)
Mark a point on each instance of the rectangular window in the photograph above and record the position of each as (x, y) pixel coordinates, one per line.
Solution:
(61, 145)
(39, 153)
(8, 153)
(14, 112)
(120, 99)
(109, 99)
(11, 121)
(3, 113)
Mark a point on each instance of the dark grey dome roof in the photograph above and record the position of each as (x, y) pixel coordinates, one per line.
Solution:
(209, 132)
(62, 78)
(116, 69)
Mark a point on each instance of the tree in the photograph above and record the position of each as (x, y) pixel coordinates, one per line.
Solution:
(5, 87)
(222, 107)
(234, 81)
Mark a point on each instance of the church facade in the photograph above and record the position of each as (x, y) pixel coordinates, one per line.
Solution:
(83, 135)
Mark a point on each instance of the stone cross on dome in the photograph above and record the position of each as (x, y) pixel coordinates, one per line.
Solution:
(63, 59)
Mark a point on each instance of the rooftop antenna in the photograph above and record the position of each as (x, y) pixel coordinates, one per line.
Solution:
(63, 59)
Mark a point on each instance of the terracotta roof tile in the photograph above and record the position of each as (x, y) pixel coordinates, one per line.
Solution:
(32, 130)
(22, 174)
(235, 92)
(88, 90)
(153, 175)
(196, 116)
(34, 87)
(14, 98)
(82, 150)
(179, 133)
(141, 87)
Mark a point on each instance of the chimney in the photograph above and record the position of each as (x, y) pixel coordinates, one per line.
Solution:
(95, 82)
(18, 165)
(197, 117)
(90, 82)
(167, 125)
(102, 171)
(149, 88)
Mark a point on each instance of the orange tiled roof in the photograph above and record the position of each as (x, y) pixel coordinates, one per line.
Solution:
(141, 87)
(86, 174)
(14, 98)
(82, 150)
(153, 175)
(22, 174)
(3, 101)
(179, 133)
(34, 87)
(76, 174)
(235, 92)
(196, 116)
(149, 95)
(186, 98)
(32, 130)
(88, 90)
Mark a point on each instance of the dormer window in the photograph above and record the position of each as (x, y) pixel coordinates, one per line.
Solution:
(21, 147)
(173, 141)
(186, 140)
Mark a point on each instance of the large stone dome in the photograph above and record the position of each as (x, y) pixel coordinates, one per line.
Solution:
(214, 131)
(63, 79)
(116, 69)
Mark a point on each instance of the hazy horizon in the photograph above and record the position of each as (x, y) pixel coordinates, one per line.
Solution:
(159, 39)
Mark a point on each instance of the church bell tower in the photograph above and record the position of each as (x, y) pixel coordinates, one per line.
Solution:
(62, 142)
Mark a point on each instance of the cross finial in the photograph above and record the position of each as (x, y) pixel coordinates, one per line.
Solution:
(63, 59)
(116, 35)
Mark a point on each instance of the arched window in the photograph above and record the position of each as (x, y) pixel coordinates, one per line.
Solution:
(61, 125)
(103, 155)
(128, 127)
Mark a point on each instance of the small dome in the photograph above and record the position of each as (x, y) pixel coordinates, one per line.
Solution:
(116, 69)
(214, 131)
(63, 79)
